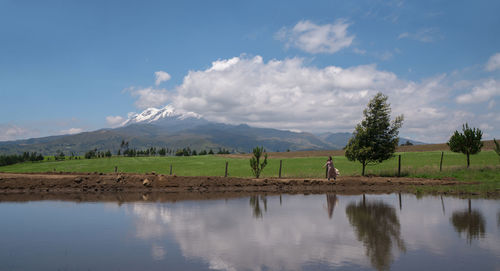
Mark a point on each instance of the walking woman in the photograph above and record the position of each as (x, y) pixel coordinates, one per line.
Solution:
(330, 169)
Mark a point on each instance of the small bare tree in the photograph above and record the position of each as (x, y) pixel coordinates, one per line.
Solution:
(255, 163)
(497, 147)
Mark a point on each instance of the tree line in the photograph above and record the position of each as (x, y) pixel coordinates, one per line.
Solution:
(25, 157)
(126, 151)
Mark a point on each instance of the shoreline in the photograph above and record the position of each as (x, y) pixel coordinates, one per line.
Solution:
(63, 184)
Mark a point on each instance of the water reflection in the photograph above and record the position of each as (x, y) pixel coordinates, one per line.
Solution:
(331, 201)
(498, 218)
(224, 234)
(255, 203)
(377, 226)
(471, 222)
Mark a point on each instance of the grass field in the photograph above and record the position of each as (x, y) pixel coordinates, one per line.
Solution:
(418, 164)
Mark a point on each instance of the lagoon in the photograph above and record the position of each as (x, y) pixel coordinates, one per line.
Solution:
(255, 232)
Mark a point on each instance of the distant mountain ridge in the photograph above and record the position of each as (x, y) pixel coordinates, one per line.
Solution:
(166, 127)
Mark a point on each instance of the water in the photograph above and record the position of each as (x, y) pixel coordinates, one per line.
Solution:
(291, 232)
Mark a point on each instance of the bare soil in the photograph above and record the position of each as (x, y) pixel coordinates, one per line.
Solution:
(137, 187)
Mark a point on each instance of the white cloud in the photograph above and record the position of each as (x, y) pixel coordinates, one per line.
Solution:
(493, 62)
(359, 51)
(161, 76)
(287, 94)
(149, 97)
(291, 95)
(313, 38)
(282, 94)
(491, 104)
(485, 126)
(71, 131)
(481, 93)
(13, 132)
(114, 121)
(422, 35)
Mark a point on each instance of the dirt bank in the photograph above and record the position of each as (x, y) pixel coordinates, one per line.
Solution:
(136, 185)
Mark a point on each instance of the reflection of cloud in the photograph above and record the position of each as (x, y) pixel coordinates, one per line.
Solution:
(153, 220)
(158, 252)
(226, 236)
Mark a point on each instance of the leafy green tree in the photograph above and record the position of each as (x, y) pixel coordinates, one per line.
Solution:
(255, 163)
(376, 137)
(211, 151)
(468, 142)
(90, 154)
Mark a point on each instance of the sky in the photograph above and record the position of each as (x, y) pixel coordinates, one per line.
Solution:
(312, 66)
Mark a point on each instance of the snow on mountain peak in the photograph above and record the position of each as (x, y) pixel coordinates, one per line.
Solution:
(154, 114)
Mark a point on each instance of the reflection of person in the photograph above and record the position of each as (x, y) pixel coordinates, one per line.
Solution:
(331, 200)
(330, 169)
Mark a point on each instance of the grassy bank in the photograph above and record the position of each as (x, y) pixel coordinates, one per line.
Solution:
(484, 166)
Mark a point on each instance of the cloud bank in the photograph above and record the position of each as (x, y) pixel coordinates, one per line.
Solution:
(289, 94)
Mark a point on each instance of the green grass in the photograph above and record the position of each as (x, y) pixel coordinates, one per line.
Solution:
(484, 167)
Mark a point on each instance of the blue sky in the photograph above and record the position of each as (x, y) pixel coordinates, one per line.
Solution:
(71, 66)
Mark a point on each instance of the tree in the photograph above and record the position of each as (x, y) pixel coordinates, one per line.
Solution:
(497, 147)
(468, 142)
(59, 156)
(255, 163)
(408, 143)
(470, 222)
(376, 224)
(375, 139)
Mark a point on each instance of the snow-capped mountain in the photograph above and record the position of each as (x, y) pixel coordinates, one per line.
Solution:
(155, 115)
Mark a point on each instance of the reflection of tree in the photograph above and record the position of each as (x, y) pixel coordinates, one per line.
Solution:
(331, 200)
(255, 203)
(469, 221)
(498, 218)
(377, 226)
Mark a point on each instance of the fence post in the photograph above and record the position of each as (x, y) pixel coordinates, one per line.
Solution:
(281, 161)
(225, 174)
(116, 169)
(441, 163)
(399, 166)
(170, 169)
